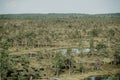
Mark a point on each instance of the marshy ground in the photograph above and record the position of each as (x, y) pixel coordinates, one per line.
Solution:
(68, 46)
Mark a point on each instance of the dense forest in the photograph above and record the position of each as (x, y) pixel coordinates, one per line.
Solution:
(44, 46)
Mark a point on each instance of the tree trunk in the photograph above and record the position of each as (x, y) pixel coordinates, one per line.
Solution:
(69, 69)
(57, 71)
(31, 77)
(0, 76)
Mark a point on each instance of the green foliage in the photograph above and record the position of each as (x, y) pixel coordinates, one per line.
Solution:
(111, 32)
(58, 62)
(94, 32)
(37, 32)
(91, 45)
(101, 46)
(69, 59)
(82, 68)
(56, 30)
(40, 55)
(117, 53)
(4, 59)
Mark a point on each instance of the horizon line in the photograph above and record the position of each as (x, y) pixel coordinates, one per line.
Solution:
(59, 13)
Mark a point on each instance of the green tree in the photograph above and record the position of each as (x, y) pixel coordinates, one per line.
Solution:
(82, 68)
(69, 59)
(91, 45)
(117, 53)
(94, 32)
(58, 62)
(4, 59)
(81, 45)
(100, 46)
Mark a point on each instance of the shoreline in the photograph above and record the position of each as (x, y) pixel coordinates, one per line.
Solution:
(88, 74)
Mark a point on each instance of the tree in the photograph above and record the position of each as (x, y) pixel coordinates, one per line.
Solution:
(69, 60)
(82, 68)
(114, 40)
(94, 32)
(117, 53)
(91, 45)
(58, 62)
(81, 45)
(100, 46)
(4, 59)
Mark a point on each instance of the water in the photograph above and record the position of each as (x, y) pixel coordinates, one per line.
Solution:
(86, 50)
(114, 77)
(74, 50)
(30, 55)
(63, 51)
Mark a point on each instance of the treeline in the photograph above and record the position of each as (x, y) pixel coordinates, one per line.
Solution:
(51, 32)
(54, 15)
(38, 16)
(99, 34)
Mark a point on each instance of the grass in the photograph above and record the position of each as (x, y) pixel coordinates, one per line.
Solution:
(109, 71)
(54, 33)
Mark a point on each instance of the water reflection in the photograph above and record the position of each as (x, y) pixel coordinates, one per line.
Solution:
(73, 50)
(116, 77)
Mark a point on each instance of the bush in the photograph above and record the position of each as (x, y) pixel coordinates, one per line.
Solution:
(101, 46)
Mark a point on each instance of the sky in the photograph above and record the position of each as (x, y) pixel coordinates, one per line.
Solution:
(59, 6)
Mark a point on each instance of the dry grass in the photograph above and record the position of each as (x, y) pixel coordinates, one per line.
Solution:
(109, 71)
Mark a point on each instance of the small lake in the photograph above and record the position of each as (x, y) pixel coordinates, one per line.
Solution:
(73, 50)
(114, 77)
(63, 51)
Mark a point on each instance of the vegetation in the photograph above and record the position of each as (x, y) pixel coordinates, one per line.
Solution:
(4, 58)
(59, 63)
(30, 45)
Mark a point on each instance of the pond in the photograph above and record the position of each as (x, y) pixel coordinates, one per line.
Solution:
(73, 50)
(17, 57)
(113, 77)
